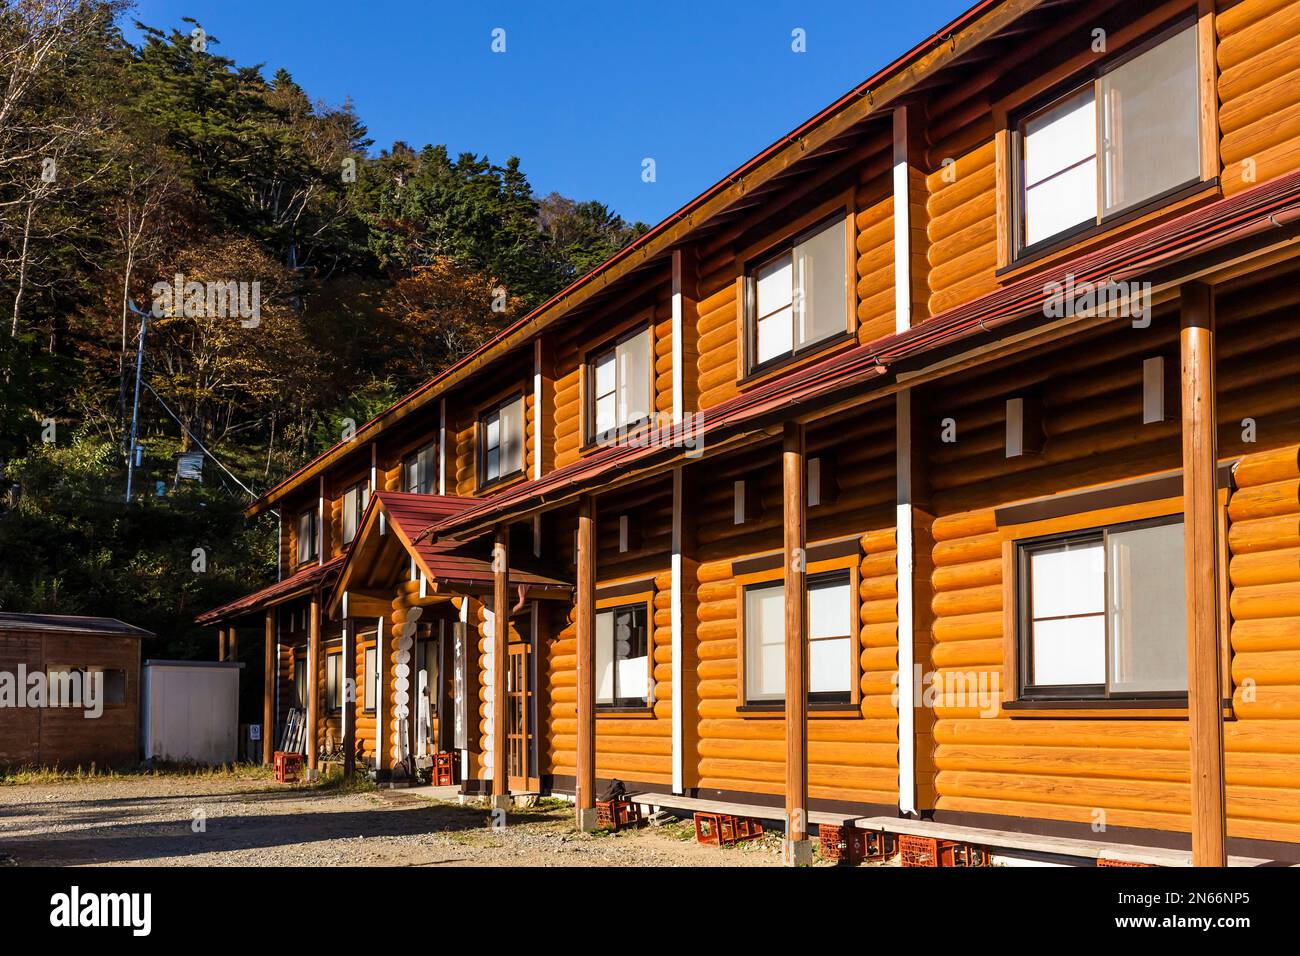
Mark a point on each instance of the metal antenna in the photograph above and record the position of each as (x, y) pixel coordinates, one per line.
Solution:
(135, 409)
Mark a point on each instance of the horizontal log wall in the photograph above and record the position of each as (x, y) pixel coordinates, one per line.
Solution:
(850, 759)
(1259, 74)
(1123, 771)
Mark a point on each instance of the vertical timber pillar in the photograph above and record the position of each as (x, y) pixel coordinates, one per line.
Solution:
(798, 849)
(348, 675)
(1201, 549)
(500, 639)
(268, 690)
(313, 682)
(586, 602)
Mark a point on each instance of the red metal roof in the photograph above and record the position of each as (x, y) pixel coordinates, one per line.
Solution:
(273, 594)
(450, 561)
(1268, 206)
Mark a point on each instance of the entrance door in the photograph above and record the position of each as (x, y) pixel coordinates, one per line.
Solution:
(519, 706)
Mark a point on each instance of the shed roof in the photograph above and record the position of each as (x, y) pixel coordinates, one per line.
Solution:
(71, 623)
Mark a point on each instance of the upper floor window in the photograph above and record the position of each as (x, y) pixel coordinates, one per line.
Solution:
(355, 500)
(831, 645)
(798, 297)
(307, 543)
(621, 392)
(1103, 612)
(501, 441)
(417, 470)
(1129, 135)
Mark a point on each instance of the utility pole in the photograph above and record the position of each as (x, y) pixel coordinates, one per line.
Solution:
(135, 409)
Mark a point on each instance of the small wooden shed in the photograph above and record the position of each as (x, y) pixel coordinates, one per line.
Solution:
(39, 650)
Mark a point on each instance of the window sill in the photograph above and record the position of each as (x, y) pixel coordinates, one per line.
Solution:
(1164, 708)
(505, 481)
(1080, 241)
(821, 349)
(626, 713)
(630, 432)
(815, 711)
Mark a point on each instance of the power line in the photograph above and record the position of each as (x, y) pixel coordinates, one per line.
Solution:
(194, 438)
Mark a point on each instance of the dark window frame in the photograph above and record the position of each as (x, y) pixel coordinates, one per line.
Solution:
(610, 347)
(411, 462)
(1083, 693)
(836, 699)
(626, 704)
(772, 253)
(313, 516)
(480, 444)
(1084, 79)
(362, 488)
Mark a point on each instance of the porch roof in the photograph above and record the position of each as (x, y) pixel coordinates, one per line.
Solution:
(369, 561)
(272, 595)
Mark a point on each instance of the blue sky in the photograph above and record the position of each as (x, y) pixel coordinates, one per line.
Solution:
(585, 91)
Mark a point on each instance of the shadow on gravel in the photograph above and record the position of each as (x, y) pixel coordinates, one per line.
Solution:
(124, 840)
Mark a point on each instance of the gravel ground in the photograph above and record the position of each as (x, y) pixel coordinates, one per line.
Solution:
(239, 820)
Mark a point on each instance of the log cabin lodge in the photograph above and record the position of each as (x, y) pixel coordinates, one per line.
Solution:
(912, 531)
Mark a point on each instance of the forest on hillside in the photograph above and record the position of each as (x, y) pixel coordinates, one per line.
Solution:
(126, 167)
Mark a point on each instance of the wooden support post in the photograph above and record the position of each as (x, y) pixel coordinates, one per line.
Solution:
(684, 617)
(1200, 537)
(221, 643)
(798, 849)
(268, 690)
(347, 675)
(586, 601)
(232, 644)
(500, 640)
(313, 682)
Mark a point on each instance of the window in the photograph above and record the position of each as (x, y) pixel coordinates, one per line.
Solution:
(426, 679)
(622, 656)
(300, 683)
(334, 682)
(1129, 135)
(73, 685)
(114, 686)
(621, 395)
(831, 647)
(355, 500)
(371, 678)
(307, 543)
(418, 471)
(1103, 613)
(501, 441)
(798, 297)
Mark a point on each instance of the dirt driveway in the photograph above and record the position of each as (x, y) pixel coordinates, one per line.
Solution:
(236, 820)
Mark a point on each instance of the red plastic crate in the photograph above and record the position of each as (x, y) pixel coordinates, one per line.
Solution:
(845, 844)
(1101, 862)
(287, 766)
(919, 850)
(963, 854)
(724, 829)
(617, 814)
(444, 769)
